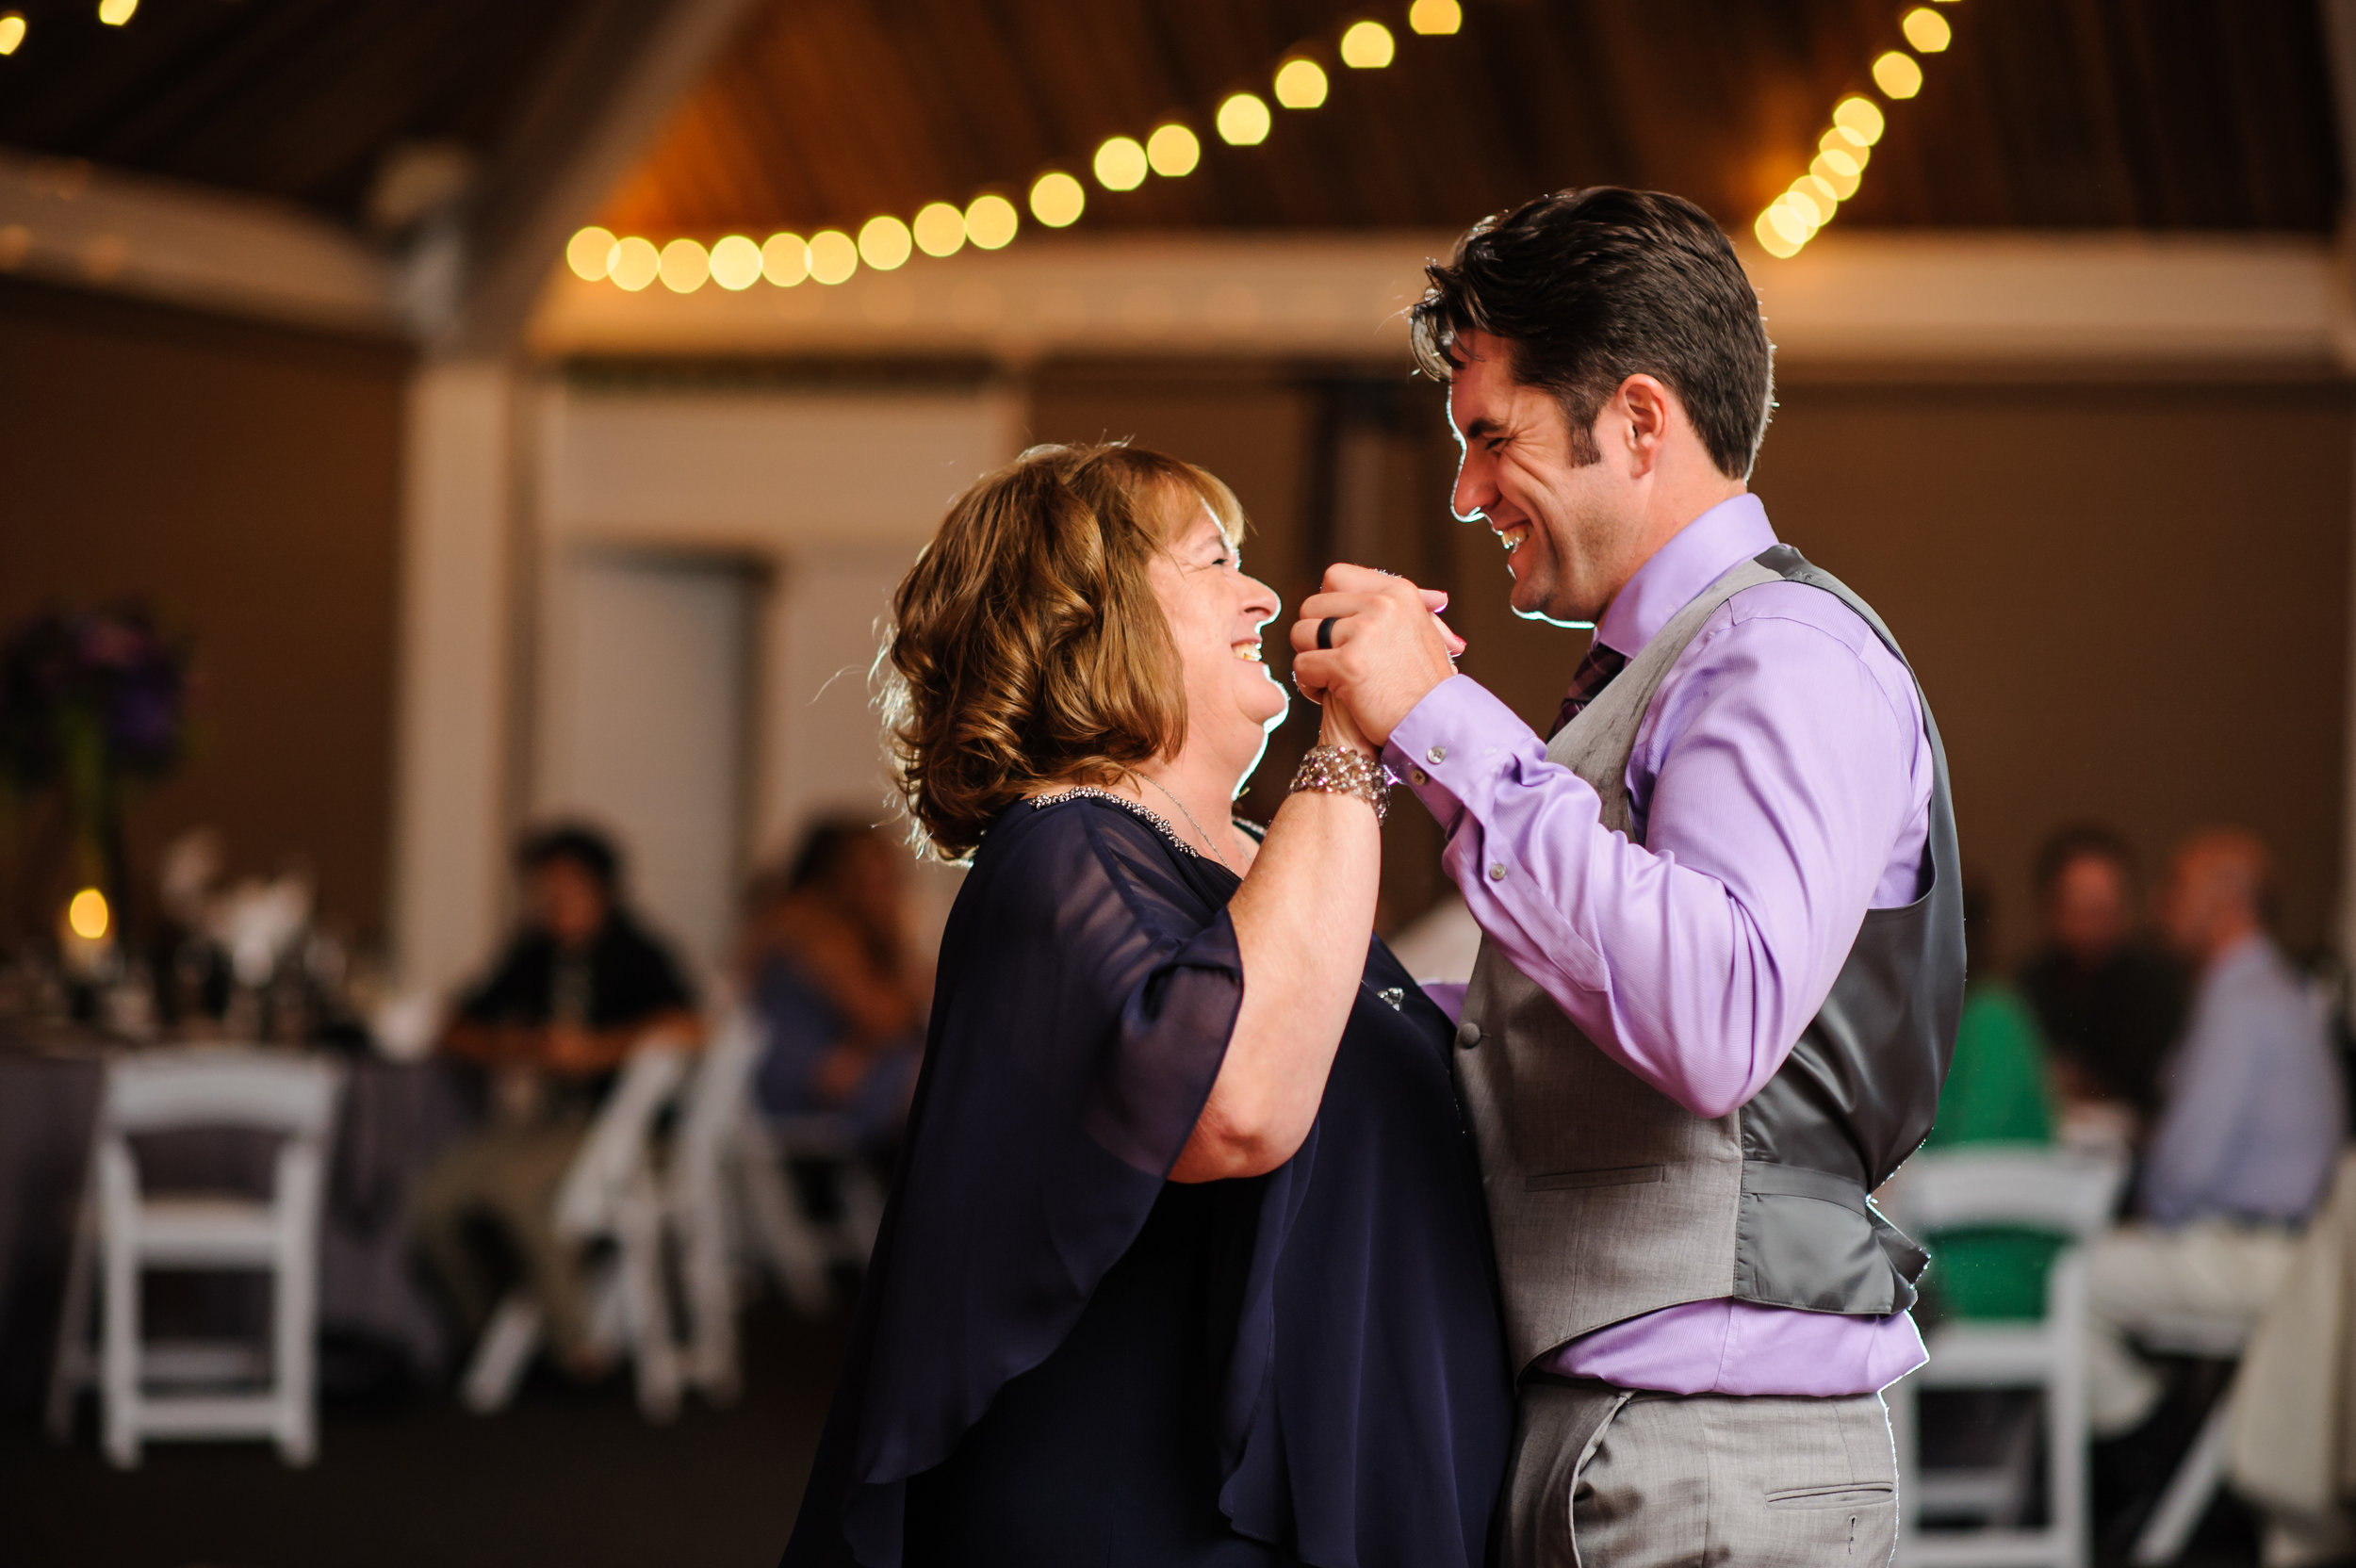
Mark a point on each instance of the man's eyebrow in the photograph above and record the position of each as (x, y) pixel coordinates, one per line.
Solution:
(1481, 429)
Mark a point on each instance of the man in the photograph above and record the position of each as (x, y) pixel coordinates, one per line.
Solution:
(1688, 1050)
(2110, 1002)
(2246, 1138)
(578, 986)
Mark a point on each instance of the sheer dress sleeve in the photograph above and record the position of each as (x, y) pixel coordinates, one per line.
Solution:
(1085, 996)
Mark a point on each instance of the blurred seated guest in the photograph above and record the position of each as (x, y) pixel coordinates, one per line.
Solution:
(1996, 1092)
(830, 974)
(2246, 1138)
(578, 985)
(2110, 1002)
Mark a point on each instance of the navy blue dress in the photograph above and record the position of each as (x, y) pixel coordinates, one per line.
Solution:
(1063, 1358)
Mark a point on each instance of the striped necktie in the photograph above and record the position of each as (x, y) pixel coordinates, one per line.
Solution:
(1594, 674)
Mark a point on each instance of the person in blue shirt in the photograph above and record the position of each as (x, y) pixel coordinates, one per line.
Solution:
(2251, 1126)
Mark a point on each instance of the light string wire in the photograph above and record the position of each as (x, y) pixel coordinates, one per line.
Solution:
(1056, 198)
(1836, 172)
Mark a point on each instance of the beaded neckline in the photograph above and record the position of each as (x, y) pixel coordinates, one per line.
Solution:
(1146, 814)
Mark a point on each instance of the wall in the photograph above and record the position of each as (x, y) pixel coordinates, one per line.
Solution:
(2128, 602)
(242, 480)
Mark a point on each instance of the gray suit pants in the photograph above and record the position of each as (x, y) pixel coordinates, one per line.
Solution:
(1605, 1479)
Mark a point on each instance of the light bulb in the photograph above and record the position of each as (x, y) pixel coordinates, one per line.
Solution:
(990, 221)
(1300, 84)
(1368, 46)
(1173, 151)
(939, 229)
(1243, 120)
(589, 253)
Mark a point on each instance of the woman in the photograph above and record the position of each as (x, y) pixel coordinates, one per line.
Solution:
(1187, 1261)
(829, 973)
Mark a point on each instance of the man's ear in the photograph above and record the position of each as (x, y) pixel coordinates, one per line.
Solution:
(1647, 409)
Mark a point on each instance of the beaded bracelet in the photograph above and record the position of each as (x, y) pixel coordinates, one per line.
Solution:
(1340, 771)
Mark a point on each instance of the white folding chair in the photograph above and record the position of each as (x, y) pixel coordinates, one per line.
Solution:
(123, 1231)
(696, 1210)
(2167, 1529)
(610, 1195)
(2017, 1187)
(798, 1247)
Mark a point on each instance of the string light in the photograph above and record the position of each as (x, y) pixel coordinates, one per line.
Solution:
(1121, 164)
(940, 230)
(736, 263)
(1435, 18)
(832, 256)
(684, 267)
(590, 254)
(1173, 151)
(114, 13)
(634, 263)
(11, 32)
(785, 259)
(1897, 74)
(1058, 199)
(991, 220)
(1368, 46)
(1300, 84)
(1790, 221)
(1244, 119)
(1926, 30)
(884, 243)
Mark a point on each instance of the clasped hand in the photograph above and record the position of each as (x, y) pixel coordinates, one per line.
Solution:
(1389, 646)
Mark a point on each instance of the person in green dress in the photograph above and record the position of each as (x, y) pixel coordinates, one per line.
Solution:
(1998, 1091)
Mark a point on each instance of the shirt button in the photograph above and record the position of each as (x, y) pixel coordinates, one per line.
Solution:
(1420, 776)
(1436, 755)
(1496, 872)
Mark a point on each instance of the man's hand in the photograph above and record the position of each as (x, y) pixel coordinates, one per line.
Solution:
(1389, 646)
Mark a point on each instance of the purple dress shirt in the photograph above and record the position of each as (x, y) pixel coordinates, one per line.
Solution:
(1780, 787)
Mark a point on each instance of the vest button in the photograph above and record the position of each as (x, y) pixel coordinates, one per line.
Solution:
(1420, 776)
(1467, 1035)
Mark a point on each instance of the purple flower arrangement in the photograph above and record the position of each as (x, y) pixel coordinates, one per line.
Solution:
(89, 700)
(103, 693)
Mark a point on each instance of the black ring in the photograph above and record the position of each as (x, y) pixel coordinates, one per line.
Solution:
(1325, 631)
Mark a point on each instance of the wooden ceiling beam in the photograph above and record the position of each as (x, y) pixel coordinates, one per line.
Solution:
(1968, 301)
(64, 220)
(604, 93)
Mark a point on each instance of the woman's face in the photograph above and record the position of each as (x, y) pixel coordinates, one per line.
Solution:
(1215, 614)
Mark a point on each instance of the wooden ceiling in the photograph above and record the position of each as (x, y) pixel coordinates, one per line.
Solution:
(2160, 114)
(2076, 113)
(295, 99)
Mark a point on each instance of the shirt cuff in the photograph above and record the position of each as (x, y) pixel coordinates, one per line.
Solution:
(1458, 735)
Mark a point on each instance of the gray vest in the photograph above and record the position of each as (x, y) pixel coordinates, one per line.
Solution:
(1607, 1198)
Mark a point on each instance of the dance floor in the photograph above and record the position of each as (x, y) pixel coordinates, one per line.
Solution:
(566, 1476)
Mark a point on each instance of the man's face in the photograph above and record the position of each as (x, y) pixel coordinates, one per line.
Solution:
(2089, 913)
(568, 902)
(1566, 525)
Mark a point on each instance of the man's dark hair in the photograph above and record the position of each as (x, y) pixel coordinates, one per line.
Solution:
(584, 845)
(2083, 840)
(1593, 286)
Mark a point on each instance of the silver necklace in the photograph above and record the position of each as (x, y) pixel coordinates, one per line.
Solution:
(1207, 840)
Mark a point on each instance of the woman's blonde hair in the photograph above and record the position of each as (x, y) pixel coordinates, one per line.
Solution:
(1027, 646)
